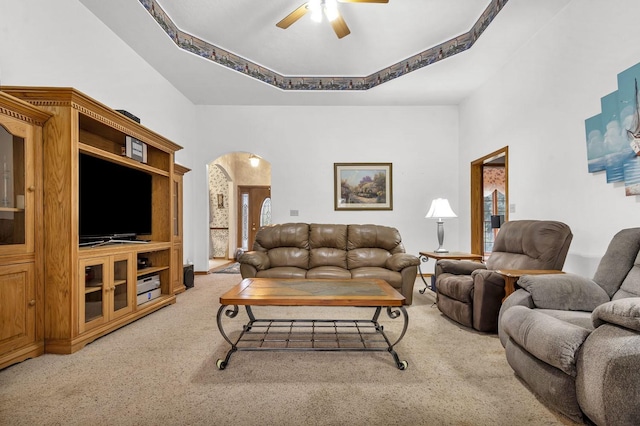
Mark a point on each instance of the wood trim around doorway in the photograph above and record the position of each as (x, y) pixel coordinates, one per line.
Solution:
(477, 196)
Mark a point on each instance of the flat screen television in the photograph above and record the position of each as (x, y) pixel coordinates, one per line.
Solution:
(115, 201)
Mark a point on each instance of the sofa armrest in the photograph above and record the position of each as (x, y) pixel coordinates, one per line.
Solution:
(399, 261)
(257, 259)
(622, 312)
(459, 267)
(518, 298)
(568, 292)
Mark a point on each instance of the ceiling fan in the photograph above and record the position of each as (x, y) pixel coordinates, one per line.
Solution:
(327, 7)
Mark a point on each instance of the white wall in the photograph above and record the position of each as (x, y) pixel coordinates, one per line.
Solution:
(303, 143)
(61, 43)
(537, 105)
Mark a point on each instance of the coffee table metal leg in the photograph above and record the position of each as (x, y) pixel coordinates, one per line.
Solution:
(231, 313)
(394, 313)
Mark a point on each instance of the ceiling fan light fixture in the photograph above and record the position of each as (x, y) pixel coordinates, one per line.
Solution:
(331, 9)
(315, 6)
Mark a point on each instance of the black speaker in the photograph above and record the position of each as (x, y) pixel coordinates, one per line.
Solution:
(497, 221)
(188, 276)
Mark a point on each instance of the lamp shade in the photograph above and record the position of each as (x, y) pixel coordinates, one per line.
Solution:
(440, 208)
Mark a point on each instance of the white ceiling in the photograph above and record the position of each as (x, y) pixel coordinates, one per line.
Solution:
(381, 35)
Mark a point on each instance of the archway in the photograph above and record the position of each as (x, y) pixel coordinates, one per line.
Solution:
(226, 173)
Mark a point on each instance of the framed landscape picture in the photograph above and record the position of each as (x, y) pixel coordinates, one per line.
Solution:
(362, 186)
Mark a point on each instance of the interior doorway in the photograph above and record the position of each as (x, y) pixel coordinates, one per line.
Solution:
(489, 199)
(226, 175)
(254, 211)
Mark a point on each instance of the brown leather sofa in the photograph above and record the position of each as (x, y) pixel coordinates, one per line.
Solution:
(317, 251)
(471, 293)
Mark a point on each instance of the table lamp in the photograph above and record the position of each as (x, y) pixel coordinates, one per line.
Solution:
(440, 208)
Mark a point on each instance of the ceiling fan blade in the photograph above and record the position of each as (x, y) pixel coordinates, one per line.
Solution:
(363, 1)
(293, 16)
(340, 27)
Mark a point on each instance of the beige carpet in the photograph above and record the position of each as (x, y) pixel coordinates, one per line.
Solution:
(161, 370)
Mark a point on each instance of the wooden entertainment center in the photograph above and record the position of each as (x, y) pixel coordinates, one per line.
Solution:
(69, 295)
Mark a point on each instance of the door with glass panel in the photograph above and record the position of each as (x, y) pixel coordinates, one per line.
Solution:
(16, 193)
(254, 211)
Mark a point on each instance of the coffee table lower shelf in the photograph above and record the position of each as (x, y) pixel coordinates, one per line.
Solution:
(312, 334)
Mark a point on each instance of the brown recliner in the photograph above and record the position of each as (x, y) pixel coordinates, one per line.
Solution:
(471, 293)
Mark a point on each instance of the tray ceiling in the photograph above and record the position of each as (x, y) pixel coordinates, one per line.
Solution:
(382, 36)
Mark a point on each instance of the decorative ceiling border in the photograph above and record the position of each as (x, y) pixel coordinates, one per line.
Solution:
(242, 65)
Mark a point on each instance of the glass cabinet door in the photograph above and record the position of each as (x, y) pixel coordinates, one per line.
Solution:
(106, 290)
(122, 287)
(12, 189)
(93, 290)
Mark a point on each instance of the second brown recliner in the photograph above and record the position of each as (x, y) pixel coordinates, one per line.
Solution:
(471, 293)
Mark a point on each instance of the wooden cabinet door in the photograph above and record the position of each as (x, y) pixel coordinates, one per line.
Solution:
(94, 286)
(121, 295)
(107, 289)
(18, 311)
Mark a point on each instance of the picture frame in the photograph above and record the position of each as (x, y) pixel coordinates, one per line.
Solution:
(363, 186)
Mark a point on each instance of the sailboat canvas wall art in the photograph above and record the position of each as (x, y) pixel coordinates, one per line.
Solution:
(613, 135)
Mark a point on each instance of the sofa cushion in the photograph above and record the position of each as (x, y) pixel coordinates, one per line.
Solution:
(327, 256)
(620, 257)
(328, 235)
(328, 245)
(328, 272)
(457, 287)
(630, 286)
(362, 257)
(282, 272)
(623, 312)
(392, 277)
(579, 318)
(374, 236)
(549, 339)
(289, 256)
(569, 292)
(285, 235)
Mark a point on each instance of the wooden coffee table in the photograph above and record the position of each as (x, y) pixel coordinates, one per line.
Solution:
(312, 334)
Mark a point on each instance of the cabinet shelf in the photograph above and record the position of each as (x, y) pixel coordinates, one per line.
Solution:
(88, 290)
(151, 270)
(120, 159)
(10, 209)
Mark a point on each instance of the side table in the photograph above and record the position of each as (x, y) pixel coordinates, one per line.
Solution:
(424, 256)
(511, 277)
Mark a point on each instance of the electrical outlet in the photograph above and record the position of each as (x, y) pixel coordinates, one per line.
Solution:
(512, 208)
(293, 212)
